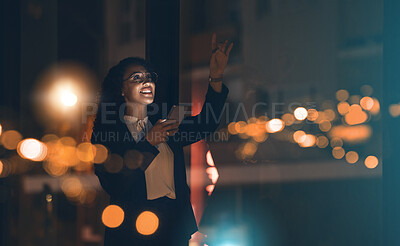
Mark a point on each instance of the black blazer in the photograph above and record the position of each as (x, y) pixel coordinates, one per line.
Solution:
(127, 187)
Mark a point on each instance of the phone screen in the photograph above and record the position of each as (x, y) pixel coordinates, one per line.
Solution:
(177, 113)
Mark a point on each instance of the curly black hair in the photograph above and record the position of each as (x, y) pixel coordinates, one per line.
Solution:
(110, 94)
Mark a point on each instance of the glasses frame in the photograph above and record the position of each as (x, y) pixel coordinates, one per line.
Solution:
(149, 75)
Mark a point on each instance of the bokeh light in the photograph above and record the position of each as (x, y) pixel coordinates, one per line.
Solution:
(342, 95)
(325, 125)
(308, 141)
(367, 103)
(312, 114)
(240, 127)
(86, 152)
(209, 159)
(1, 167)
(371, 162)
(114, 163)
(274, 125)
(338, 152)
(394, 110)
(343, 108)
(352, 157)
(288, 119)
(299, 136)
(32, 149)
(72, 187)
(231, 128)
(355, 115)
(352, 134)
(113, 216)
(147, 223)
(366, 90)
(133, 159)
(375, 108)
(336, 142)
(212, 174)
(101, 154)
(300, 113)
(10, 139)
(322, 142)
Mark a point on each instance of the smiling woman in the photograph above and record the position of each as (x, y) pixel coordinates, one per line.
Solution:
(157, 185)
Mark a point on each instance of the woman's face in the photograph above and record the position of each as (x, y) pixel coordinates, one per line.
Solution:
(142, 93)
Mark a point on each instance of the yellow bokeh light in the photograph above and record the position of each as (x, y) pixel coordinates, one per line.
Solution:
(342, 95)
(10, 139)
(299, 136)
(338, 152)
(312, 114)
(352, 157)
(343, 108)
(325, 125)
(322, 142)
(288, 119)
(1, 167)
(147, 223)
(274, 125)
(68, 98)
(32, 149)
(54, 168)
(1, 129)
(113, 216)
(367, 103)
(371, 162)
(308, 141)
(300, 113)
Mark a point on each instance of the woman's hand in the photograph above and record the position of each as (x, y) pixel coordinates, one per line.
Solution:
(219, 57)
(161, 131)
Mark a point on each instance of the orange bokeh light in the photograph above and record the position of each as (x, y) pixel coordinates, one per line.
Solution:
(300, 113)
(338, 152)
(355, 115)
(371, 162)
(274, 125)
(147, 223)
(113, 216)
(32, 149)
(10, 139)
(351, 157)
(367, 103)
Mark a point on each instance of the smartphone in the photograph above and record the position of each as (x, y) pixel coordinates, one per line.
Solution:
(177, 113)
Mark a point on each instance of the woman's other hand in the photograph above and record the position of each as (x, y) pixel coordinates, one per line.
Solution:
(161, 131)
(219, 57)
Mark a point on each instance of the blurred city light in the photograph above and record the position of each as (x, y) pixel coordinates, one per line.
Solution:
(299, 136)
(394, 110)
(366, 90)
(112, 216)
(72, 187)
(1, 129)
(288, 119)
(343, 108)
(32, 149)
(10, 139)
(312, 114)
(308, 140)
(274, 125)
(351, 134)
(367, 103)
(147, 223)
(355, 115)
(1, 167)
(342, 95)
(209, 159)
(300, 113)
(325, 125)
(352, 157)
(371, 162)
(338, 152)
(322, 142)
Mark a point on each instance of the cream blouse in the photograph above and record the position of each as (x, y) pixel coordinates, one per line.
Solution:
(160, 173)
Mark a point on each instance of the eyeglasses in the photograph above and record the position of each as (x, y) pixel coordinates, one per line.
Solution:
(139, 77)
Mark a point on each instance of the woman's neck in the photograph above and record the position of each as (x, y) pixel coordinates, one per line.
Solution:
(137, 110)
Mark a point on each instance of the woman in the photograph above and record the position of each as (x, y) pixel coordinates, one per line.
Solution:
(146, 170)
